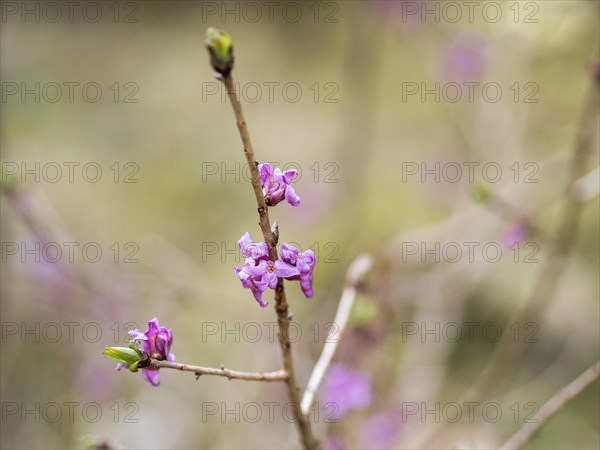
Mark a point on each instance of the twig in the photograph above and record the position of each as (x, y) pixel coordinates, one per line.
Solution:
(358, 268)
(281, 305)
(278, 375)
(551, 407)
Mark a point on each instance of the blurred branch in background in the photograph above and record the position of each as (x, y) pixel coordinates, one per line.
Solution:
(38, 215)
(361, 67)
(505, 358)
(551, 407)
(358, 268)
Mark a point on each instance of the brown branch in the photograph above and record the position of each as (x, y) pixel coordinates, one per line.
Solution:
(551, 407)
(281, 305)
(278, 375)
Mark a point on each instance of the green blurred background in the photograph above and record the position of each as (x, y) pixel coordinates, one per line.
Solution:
(351, 132)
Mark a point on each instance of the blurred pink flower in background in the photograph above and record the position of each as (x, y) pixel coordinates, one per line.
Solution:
(55, 278)
(94, 382)
(401, 14)
(516, 234)
(380, 430)
(595, 71)
(333, 443)
(464, 59)
(347, 388)
(23, 203)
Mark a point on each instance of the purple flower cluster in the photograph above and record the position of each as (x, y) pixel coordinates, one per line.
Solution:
(259, 273)
(154, 343)
(276, 185)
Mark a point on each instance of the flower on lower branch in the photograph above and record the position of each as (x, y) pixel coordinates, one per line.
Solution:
(153, 343)
(259, 273)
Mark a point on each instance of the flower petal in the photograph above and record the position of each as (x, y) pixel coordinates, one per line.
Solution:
(289, 253)
(285, 270)
(152, 328)
(258, 296)
(306, 262)
(306, 285)
(151, 376)
(271, 279)
(245, 240)
(291, 196)
(289, 175)
(266, 172)
(137, 335)
(257, 270)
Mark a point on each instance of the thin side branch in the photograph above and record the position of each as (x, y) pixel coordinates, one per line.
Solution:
(277, 375)
(281, 305)
(358, 268)
(551, 407)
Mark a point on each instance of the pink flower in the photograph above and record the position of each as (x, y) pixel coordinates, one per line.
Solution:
(276, 185)
(259, 273)
(154, 343)
(254, 250)
(262, 274)
(304, 263)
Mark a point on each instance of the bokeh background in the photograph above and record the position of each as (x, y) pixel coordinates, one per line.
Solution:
(325, 88)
